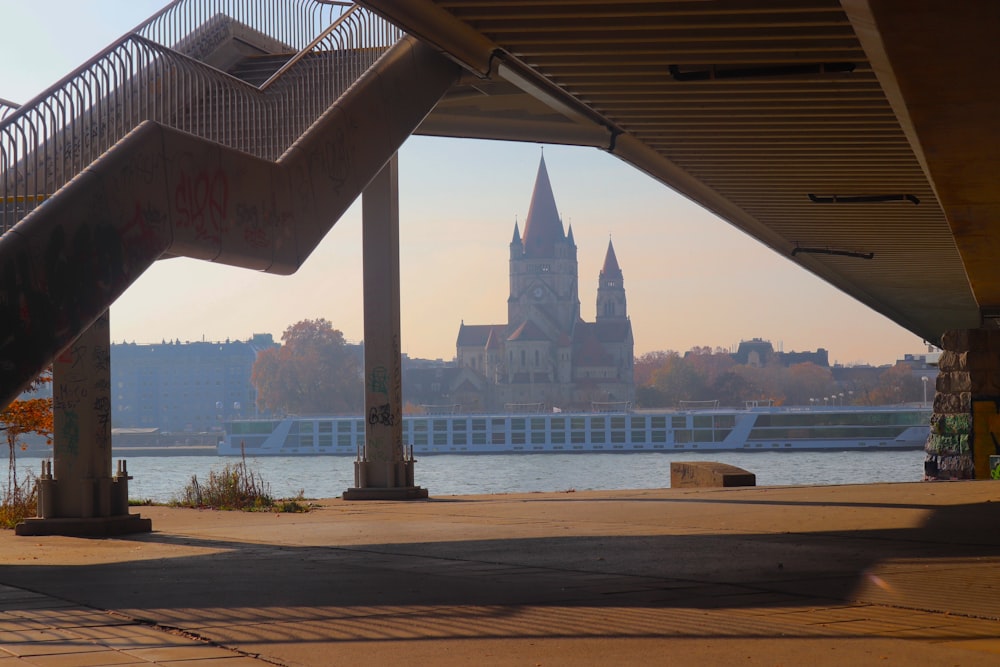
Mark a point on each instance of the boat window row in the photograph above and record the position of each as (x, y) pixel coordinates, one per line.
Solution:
(484, 424)
(814, 419)
(826, 433)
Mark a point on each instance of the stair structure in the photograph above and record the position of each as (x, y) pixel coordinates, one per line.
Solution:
(158, 147)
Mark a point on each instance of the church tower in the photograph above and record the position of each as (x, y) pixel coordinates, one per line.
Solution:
(545, 354)
(611, 303)
(543, 265)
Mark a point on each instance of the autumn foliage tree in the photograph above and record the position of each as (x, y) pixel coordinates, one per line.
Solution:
(898, 384)
(312, 372)
(22, 417)
(665, 378)
(704, 374)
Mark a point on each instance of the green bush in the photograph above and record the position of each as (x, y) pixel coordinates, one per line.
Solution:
(236, 487)
(20, 501)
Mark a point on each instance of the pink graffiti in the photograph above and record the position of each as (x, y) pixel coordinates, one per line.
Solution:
(202, 203)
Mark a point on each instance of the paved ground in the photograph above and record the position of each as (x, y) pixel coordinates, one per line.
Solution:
(893, 574)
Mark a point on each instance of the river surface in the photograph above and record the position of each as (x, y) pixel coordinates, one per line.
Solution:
(161, 479)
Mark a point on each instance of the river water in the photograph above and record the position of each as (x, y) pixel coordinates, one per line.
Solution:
(161, 479)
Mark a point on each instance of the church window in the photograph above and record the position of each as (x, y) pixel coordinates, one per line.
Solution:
(522, 358)
(545, 268)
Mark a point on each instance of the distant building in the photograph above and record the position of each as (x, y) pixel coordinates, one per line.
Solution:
(923, 366)
(545, 354)
(758, 352)
(183, 387)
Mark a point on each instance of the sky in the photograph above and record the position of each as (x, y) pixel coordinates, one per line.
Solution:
(691, 279)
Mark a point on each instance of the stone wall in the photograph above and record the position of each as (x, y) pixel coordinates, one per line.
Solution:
(966, 416)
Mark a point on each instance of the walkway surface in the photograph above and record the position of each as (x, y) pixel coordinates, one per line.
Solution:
(891, 574)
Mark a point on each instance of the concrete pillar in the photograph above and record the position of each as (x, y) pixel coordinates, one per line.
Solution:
(965, 426)
(384, 468)
(78, 495)
(81, 397)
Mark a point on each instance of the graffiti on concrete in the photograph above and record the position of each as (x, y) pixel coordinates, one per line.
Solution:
(332, 158)
(378, 381)
(201, 202)
(381, 415)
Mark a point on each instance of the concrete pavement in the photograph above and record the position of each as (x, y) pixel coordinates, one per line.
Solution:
(888, 574)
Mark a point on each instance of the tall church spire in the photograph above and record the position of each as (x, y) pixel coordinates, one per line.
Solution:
(542, 227)
(611, 303)
(611, 270)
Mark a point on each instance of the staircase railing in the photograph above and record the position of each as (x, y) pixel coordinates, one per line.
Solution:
(52, 138)
(291, 22)
(7, 107)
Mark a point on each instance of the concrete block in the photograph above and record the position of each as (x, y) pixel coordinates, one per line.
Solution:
(688, 474)
(953, 381)
(955, 341)
(956, 424)
(953, 361)
(947, 445)
(961, 361)
(947, 403)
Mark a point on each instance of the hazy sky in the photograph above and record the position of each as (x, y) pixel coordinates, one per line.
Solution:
(690, 278)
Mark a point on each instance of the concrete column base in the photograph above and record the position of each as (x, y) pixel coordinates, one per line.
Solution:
(102, 507)
(370, 480)
(386, 493)
(104, 526)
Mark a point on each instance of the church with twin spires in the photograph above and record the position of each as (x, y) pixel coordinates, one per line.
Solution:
(546, 356)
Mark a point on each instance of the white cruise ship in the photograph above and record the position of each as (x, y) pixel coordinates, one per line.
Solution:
(752, 429)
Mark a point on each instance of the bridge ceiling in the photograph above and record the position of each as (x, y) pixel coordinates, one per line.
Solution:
(770, 113)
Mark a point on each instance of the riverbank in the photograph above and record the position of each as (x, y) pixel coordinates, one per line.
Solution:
(875, 574)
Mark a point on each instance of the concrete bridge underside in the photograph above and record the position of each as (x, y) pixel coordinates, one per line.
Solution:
(854, 137)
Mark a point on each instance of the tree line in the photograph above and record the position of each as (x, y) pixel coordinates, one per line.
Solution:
(666, 378)
(314, 371)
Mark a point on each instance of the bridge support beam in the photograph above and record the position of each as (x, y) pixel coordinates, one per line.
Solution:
(384, 467)
(965, 426)
(77, 494)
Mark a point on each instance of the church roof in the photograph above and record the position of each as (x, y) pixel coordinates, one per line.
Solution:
(588, 350)
(477, 335)
(590, 338)
(611, 268)
(542, 227)
(528, 331)
(493, 341)
(611, 331)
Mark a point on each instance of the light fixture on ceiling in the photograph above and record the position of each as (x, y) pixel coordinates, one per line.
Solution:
(797, 250)
(721, 72)
(989, 317)
(862, 199)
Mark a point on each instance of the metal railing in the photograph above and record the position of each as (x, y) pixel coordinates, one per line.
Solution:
(7, 107)
(156, 73)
